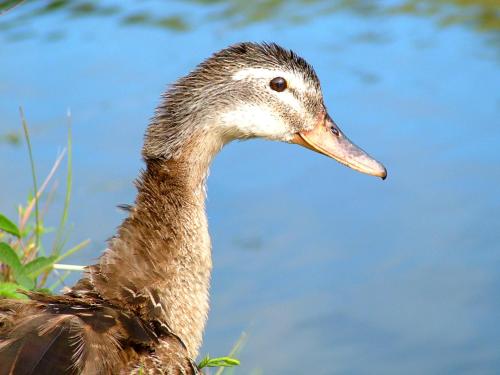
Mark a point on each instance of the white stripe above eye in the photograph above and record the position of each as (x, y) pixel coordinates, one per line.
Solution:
(294, 80)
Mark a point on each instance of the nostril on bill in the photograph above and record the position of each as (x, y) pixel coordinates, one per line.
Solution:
(334, 130)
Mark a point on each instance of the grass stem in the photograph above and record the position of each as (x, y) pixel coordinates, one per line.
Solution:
(59, 242)
(33, 174)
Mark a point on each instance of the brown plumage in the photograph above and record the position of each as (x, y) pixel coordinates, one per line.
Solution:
(73, 335)
(116, 319)
(142, 308)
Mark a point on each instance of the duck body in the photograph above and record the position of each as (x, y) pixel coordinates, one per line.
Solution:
(115, 319)
(142, 308)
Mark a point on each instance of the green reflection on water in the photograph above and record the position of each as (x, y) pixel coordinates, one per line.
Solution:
(483, 15)
(172, 22)
(479, 15)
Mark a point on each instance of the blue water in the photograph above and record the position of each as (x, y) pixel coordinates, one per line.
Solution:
(327, 270)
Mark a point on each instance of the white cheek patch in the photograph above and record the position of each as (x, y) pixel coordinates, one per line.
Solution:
(290, 100)
(250, 120)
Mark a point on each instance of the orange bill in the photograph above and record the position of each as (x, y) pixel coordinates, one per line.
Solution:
(327, 139)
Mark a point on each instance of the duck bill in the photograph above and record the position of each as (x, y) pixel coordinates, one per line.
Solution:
(327, 139)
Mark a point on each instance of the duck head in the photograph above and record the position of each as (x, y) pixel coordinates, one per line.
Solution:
(252, 90)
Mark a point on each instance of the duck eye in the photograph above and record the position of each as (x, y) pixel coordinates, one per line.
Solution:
(278, 84)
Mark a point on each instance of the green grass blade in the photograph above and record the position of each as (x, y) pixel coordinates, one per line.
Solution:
(31, 202)
(203, 363)
(234, 351)
(59, 243)
(38, 265)
(8, 226)
(239, 344)
(222, 362)
(9, 257)
(9, 290)
(33, 174)
(218, 362)
(24, 280)
(73, 250)
(60, 280)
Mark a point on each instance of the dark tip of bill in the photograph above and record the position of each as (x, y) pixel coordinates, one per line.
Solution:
(384, 176)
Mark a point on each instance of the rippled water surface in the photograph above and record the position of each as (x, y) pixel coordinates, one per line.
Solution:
(327, 270)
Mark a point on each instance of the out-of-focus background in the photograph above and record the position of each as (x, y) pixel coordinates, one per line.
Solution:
(327, 270)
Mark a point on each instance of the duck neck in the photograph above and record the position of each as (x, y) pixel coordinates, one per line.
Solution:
(159, 262)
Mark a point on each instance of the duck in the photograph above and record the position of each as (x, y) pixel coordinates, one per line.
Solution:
(142, 308)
